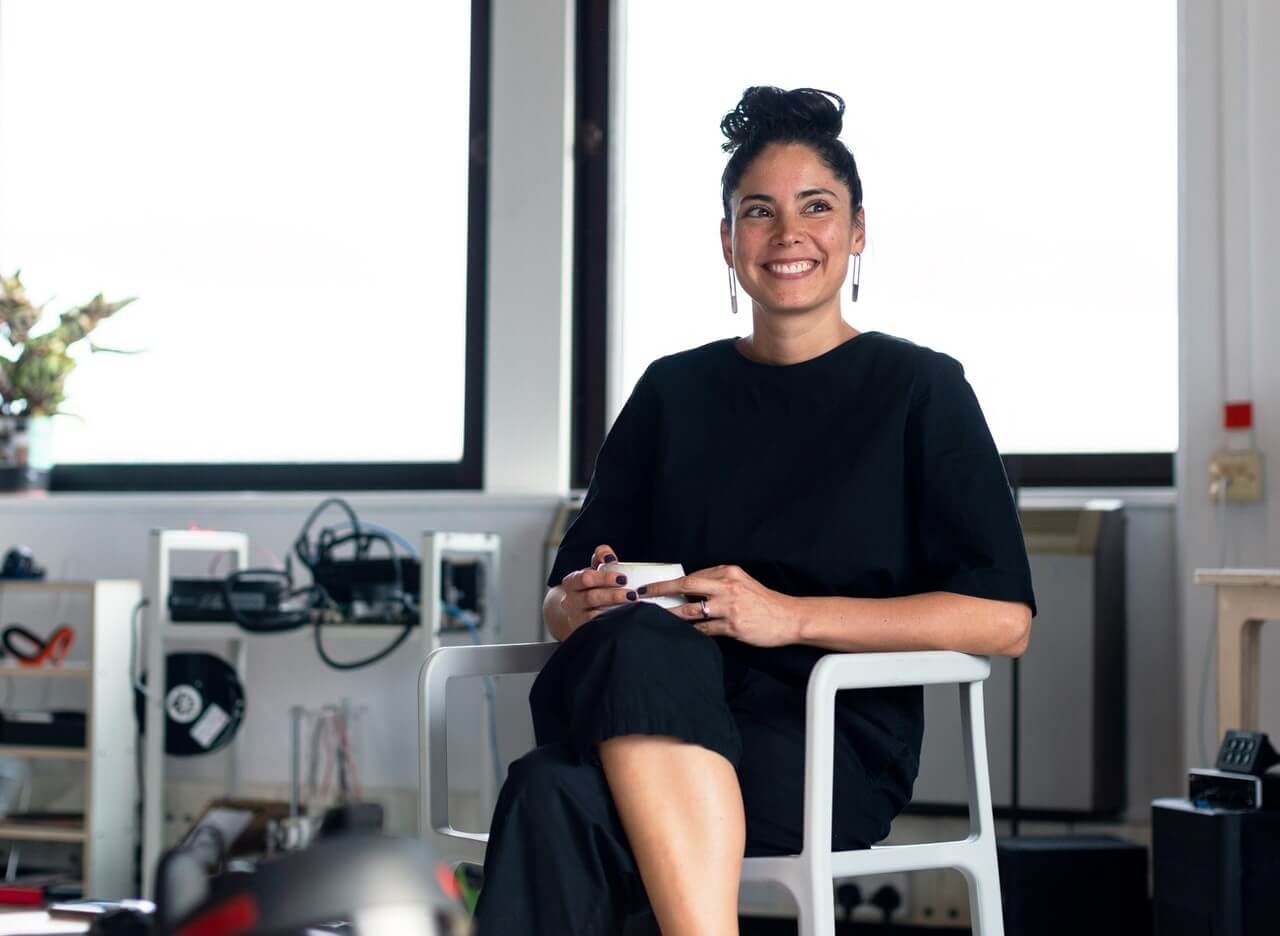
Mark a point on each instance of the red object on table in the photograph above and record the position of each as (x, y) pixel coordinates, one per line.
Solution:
(22, 894)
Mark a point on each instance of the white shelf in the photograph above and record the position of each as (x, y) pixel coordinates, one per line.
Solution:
(41, 832)
(39, 751)
(228, 630)
(75, 670)
(40, 585)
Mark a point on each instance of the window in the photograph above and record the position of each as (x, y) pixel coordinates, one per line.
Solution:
(289, 189)
(1019, 163)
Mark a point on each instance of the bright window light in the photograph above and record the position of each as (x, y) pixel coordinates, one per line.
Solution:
(1019, 164)
(283, 185)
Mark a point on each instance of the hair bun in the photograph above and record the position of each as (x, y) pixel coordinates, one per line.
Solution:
(802, 113)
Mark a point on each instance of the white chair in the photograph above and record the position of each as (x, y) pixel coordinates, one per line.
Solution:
(808, 875)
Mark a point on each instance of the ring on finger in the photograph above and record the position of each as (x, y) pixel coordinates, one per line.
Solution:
(705, 613)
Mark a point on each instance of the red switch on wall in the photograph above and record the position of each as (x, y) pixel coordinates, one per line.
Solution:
(1237, 415)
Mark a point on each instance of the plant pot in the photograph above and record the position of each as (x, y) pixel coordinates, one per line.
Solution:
(40, 443)
(17, 470)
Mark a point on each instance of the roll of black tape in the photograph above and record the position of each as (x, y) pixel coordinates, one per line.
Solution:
(203, 704)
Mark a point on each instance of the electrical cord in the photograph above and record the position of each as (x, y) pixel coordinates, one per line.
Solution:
(328, 540)
(1210, 643)
(135, 669)
(276, 623)
(366, 661)
(312, 604)
(387, 532)
(31, 650)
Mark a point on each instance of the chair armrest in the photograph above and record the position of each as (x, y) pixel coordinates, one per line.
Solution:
(838, 671)
(443, 664)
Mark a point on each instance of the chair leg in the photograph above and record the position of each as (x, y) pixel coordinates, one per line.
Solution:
(984, 896)
(817, 904)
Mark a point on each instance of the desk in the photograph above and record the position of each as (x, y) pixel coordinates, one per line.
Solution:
(24, 922)
(1246, 598)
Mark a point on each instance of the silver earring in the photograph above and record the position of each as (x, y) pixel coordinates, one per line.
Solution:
(857, 274)
(733, 290)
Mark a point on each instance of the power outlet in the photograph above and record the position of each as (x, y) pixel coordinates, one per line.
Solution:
(1240, 472)
(940, 899)
(871, 883)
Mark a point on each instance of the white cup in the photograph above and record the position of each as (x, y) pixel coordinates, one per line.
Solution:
(646, 573)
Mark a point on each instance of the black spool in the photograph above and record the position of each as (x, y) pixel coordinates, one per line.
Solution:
(203, 704)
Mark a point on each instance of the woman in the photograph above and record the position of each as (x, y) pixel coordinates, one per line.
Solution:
(826, 490)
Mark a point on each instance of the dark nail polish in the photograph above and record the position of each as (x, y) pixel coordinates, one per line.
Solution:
(611, 558)
(643, 589)
(631, 596)
(622, 580)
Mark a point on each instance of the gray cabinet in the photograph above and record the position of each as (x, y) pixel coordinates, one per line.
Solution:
(1072, 679)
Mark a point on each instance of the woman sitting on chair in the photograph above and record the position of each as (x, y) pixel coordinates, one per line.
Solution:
(825, 490)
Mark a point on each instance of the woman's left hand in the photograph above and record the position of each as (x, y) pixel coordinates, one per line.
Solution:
(725, 600)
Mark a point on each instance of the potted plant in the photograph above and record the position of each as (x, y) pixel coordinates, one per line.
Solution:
(33, 372)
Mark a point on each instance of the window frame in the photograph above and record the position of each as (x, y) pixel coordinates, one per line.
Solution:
(464, 474)
(592, 193)
(593, 205)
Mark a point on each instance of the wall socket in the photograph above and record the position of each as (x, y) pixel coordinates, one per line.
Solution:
(1239, 471)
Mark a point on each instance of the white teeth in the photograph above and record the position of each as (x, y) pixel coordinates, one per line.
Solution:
(802, 266)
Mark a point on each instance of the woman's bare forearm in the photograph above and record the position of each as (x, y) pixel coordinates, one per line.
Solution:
(933, 621)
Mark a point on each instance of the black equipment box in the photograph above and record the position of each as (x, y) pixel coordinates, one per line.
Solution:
(43, 729)
(1070, 885)
(1217, 871)
(193, 600)
(1230, 790)
(369, 580)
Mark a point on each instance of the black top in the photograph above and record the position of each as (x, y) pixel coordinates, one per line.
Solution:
(868, 471)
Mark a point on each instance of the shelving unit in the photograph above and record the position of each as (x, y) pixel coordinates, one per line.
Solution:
(160, 631)
(108, 757)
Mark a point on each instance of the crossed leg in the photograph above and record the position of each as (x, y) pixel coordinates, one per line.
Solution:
(681, 807)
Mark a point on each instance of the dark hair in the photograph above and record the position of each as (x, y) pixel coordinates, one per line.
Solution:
(768, 115)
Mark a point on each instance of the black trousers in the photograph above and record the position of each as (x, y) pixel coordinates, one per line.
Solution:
(558, 861)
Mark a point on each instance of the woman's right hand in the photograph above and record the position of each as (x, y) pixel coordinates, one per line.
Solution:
(590, 592)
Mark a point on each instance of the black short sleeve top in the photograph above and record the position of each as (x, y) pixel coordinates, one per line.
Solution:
(868, 471)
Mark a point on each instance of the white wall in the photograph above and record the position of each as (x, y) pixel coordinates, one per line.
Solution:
(1229, 319)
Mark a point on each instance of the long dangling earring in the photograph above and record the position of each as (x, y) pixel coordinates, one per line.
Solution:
(857, 274)
(733, 290)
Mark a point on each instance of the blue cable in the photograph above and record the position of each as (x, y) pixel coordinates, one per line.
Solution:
(385, 531)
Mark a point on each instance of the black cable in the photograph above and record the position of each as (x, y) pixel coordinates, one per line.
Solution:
(34, 644)
(319, 605)
(367, 661)
(302, 544)
(327, 542)
(265, 623)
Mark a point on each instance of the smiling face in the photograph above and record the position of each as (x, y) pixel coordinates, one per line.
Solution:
(792, 231)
